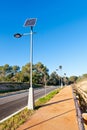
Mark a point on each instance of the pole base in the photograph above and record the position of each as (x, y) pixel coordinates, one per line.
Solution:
(31, 98)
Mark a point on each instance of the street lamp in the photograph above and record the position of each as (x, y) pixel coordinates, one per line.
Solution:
(65, 78)
(60, 67)
(59, 77)
(29, 23)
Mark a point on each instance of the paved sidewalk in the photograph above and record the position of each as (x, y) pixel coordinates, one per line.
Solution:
(58, 114)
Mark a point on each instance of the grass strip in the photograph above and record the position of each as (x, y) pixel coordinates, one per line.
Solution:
(45, 99)
(14, 122)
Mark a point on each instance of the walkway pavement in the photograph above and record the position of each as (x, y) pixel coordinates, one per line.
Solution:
(58, 114)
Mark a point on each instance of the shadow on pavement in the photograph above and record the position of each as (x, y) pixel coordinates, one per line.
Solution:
(48, 119)
(37, 107)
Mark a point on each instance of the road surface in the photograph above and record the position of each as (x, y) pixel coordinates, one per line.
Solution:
(12, 103)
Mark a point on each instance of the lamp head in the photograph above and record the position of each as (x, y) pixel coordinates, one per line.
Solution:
(18, 35)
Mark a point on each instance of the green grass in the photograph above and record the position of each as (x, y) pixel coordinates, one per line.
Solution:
(45, 99)
(14, 122)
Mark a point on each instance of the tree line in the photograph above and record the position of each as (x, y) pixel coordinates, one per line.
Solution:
(40, 75)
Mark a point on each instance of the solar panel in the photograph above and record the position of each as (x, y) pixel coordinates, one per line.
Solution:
(30, 22)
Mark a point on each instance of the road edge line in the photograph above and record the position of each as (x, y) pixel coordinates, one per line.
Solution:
(13, 114)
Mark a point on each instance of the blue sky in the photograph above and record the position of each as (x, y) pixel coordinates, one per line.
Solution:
(61, 37)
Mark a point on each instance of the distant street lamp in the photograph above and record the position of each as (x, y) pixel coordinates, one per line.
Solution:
(59, 77)
(65, 78)
(44, 78)
(60, 67)
(31, 23)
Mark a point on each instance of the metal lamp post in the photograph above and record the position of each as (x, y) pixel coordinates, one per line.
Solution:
(60, 67)
(65, 78)
(29, 23)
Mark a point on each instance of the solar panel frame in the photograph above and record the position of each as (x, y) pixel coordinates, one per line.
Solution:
(30, 22)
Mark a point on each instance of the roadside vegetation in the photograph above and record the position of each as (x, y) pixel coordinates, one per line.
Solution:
(12, 78)
(40, 75)
(14, 122)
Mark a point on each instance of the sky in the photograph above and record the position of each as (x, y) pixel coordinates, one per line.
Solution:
(60, 38)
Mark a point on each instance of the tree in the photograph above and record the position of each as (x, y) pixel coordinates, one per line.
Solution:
(25, 72)
(53, 79)
(6, 69)
(72, 79)
(60, 67)
(84, 75)
(42, 72)
(15, 69)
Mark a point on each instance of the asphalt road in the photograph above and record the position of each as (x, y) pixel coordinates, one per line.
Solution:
(12, 103)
